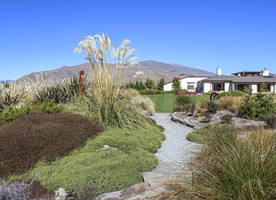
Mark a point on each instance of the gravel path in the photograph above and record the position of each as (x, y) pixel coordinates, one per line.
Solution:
(174, 152)
(175, 148)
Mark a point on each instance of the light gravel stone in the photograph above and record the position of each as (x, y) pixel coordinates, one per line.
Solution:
(175, 151)
(176, 148)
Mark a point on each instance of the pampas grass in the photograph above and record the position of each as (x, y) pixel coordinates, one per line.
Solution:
(104, 101)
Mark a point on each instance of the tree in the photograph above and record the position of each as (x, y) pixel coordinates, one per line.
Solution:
(176, 83)
(149, 83)
(160, 84)
(142, 86)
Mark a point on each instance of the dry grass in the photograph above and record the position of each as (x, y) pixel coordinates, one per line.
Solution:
(230, 166)
(143, 102)
(136, 99)
(232, 104)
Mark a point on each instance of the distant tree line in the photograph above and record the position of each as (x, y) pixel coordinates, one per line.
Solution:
(148, 84)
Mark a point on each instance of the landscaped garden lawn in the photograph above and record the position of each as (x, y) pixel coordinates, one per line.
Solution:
(164, 102)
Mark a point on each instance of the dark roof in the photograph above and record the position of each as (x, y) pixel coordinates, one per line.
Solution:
(241, 79)
(248, 72)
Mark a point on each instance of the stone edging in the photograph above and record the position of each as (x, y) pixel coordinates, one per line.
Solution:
(182, 120)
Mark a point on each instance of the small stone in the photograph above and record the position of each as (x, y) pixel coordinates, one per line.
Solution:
(61, 194)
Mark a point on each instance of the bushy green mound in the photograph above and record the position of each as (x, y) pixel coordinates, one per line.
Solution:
(111, 169)
(258, 107)
(235, 93)
(202, 133)
(198, 135)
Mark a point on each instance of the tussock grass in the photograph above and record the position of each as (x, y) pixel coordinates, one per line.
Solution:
(233, 104)
(231, 166)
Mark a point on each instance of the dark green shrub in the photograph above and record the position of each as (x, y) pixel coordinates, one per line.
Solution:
(48, 106)
(148, 92)
(150, 83)
(258, 107)
(160, 84)
(176, 83)
(207, 116)
(65, 91)
(184, 103)
(50, 93)
(235, 93)
(226, 119)
(271, 121)
(10, 113)
(212, 107)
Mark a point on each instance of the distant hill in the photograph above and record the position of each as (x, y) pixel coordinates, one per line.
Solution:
(152, 69)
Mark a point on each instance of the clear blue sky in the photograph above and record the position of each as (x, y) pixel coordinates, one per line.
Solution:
(39, 35)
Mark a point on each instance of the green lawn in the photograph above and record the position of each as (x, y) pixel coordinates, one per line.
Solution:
(164, 102)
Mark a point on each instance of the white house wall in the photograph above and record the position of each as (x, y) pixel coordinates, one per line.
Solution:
(227, 87)
(207, 87)
(254, 88)
(168, 87)
(184, 83)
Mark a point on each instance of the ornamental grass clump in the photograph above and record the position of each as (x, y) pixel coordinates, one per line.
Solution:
(184, 103)
(11, 94)
(231, 166)
(104, 101)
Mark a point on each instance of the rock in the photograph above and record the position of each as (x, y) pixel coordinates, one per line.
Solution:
(61, 194)
(107, 147)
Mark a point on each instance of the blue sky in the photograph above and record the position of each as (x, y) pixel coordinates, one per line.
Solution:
(39, 35)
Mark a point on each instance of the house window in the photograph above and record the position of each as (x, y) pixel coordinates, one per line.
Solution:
(241, 87)
(265, 89)
(191, 85)
(218, 86)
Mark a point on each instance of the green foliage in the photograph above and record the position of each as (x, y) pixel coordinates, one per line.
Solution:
(70, 88)
(200, 134)
(148, 92)
(160, 84)
(111, 113)
(149, 83)
(65, 91)
(258, 107)
(10, 113)
(212, 107)
(226, 119)
(271, 121)
(233, 167)
(176, 83)
(208, 116)
(48, 106)
(184, 103)
(11, 95)
(235, 93)
(110, 169)
(137, 86)
(49, 93)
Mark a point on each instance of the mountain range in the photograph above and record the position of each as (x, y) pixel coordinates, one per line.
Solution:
(146, 69)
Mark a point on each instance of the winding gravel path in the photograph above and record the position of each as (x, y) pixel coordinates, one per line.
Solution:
(174, 152)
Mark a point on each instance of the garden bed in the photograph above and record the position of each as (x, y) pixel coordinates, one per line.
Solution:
(197, 122)
(41, 136)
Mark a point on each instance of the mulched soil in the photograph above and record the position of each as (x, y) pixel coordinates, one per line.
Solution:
(41, 136)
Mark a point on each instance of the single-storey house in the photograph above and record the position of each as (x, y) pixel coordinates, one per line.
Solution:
(189, 83)
(236, 81)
